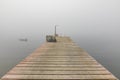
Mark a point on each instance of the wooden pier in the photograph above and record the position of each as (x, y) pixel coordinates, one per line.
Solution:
(61, 60)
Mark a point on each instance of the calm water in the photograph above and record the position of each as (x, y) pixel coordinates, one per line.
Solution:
(13, 51)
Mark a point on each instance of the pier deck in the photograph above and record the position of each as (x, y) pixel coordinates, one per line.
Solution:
(61, 60)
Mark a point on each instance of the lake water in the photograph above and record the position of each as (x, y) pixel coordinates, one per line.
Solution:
(13, 51)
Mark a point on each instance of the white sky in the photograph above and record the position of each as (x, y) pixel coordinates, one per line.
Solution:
(74, 17)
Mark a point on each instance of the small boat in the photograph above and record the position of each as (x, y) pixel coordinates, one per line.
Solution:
(23, 39)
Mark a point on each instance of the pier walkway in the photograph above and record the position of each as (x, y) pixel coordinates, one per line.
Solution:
(61, 60)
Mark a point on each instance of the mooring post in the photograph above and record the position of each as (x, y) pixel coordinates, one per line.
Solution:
(55, 34)
(55, 30)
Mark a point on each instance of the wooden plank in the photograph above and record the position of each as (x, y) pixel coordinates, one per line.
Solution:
(58, 72)
(58, 69)
(76, 56)
(62, 77)
(58, 60)
(61, 63)
(66, 66)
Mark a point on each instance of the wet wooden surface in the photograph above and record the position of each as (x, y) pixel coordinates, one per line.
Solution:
(63, 60)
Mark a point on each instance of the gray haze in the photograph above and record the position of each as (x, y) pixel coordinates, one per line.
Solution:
(93, 24)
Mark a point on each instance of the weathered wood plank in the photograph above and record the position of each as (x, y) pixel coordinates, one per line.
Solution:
(66, 66)
(58, 69)
(59, 72)
(61, 63)
(58, 60)
(54, 77)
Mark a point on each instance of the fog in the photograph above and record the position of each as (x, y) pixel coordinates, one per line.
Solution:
(93, 24)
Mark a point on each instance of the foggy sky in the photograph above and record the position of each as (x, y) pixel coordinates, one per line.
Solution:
(93, 24)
